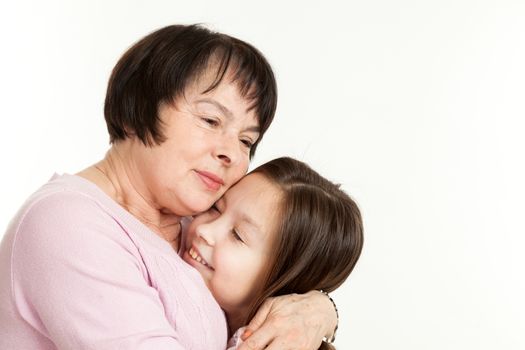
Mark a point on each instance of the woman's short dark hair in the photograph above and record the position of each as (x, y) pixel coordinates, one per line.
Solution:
(319, 236)
(159, 67)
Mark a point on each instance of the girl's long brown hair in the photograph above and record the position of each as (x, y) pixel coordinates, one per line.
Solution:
(319, 235)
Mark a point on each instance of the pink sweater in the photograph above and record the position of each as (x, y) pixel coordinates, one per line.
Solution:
(77, 271)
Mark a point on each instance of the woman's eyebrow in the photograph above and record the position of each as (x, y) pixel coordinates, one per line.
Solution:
(227, 113)
(217, 104)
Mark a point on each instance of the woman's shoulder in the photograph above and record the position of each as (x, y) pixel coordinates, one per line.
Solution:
(62, 200)
(63, 227)
(65, 214)
(70, 216)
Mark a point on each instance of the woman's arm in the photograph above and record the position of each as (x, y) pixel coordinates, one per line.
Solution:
(296, 321)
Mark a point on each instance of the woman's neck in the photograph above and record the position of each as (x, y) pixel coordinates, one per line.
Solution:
(116, 176)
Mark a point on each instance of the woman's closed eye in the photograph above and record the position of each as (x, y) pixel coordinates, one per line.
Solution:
(211, 121)
(247, 143)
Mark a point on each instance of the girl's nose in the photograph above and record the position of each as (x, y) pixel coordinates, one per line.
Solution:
(204, 231)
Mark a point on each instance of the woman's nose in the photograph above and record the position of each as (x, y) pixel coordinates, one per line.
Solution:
(228, 150)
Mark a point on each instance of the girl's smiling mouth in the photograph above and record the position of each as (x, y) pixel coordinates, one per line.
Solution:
(192, 252)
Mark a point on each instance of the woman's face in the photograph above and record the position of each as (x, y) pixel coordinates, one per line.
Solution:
(231, 244)
(207, 148)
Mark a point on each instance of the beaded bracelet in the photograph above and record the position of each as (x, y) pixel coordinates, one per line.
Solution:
(332, 338)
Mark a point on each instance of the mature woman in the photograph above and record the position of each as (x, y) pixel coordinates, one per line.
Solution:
(88, 262)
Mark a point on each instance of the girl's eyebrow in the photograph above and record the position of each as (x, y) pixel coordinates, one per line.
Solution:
(250, 222)
(244, 218)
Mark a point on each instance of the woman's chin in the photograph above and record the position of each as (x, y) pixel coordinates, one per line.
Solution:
(198, 207)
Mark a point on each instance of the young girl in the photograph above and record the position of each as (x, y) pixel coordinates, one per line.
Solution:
(282, 229)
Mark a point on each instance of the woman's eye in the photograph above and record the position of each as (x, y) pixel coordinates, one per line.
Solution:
(247, 143)
(210, 121)
(236, 236)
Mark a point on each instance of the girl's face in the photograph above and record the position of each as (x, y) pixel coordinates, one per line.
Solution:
(231, 243)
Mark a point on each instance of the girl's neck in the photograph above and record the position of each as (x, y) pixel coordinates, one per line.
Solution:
(236, 320)
(118, 178)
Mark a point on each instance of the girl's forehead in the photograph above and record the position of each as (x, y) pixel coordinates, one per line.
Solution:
(253, 184)
(254, 203)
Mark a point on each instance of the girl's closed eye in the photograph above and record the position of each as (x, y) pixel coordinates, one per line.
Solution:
(214, 211)
(236, 235)
(214, 207)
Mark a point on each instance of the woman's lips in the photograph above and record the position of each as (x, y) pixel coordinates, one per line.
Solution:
(212, 181)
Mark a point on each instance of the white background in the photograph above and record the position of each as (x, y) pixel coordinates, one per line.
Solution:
(415, 107)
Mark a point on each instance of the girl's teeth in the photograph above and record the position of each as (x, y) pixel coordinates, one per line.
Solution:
(196, 256)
